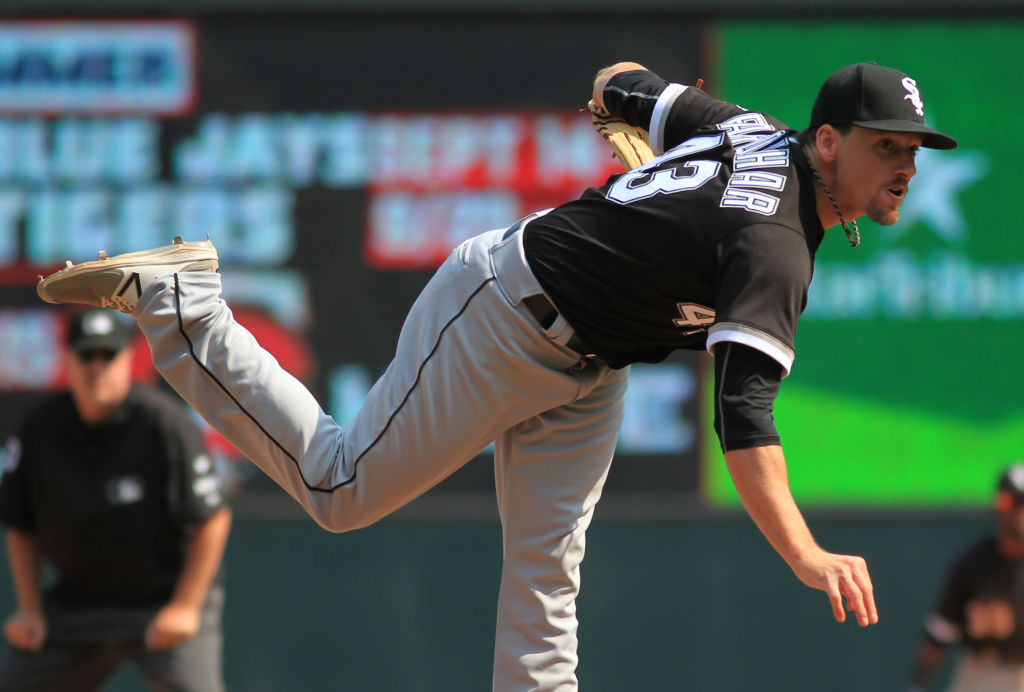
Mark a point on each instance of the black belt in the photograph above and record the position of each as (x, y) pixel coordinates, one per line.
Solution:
(540, 306)
(517, 225)
(544, 311)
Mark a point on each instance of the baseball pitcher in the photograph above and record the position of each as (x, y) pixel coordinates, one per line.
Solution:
(525, 335)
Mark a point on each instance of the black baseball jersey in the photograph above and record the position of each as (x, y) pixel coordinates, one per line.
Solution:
(712, 241)
(110, 505)
(982, 604)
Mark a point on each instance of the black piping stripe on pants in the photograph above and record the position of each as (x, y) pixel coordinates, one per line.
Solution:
(355, 465)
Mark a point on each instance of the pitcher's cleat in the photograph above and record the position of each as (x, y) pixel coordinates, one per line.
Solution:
(117, 282)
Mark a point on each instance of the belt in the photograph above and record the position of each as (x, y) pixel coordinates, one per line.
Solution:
(518, 225)
(544, 311)
(540, 306)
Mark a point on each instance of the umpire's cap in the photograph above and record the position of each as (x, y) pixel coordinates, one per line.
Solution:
(878, 98)
(99, 329)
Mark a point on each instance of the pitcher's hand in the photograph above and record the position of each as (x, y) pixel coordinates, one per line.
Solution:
(841, 576)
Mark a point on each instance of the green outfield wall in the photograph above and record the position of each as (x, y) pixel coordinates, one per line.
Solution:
(684, 605)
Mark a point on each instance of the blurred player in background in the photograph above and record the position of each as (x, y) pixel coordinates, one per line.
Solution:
(110, 484)
(982, 605)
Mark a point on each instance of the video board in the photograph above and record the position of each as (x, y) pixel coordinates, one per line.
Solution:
(333, 160)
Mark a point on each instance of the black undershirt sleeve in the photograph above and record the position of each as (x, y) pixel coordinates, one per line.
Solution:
(632, 95)
(746, 384)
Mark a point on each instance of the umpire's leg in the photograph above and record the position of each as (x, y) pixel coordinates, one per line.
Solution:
(196, 665)
(59, 668)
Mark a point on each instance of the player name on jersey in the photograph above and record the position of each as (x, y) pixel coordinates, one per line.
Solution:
(758, 145)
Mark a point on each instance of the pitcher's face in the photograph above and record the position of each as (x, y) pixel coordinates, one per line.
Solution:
(873, 169)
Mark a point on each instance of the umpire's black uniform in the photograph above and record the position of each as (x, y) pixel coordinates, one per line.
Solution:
(110, 507)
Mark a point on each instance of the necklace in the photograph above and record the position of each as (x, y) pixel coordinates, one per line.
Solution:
(852, 232)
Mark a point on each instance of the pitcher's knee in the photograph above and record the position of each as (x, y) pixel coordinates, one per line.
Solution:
(342, 519)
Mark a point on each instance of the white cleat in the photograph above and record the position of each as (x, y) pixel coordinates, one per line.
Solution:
(117, 282)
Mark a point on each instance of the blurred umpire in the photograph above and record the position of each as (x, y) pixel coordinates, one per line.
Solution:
(111, 486)
(982, 605)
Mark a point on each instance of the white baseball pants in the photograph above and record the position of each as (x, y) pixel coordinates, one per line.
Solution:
(472, 366)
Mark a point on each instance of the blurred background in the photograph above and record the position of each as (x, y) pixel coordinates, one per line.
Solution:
(336, 150)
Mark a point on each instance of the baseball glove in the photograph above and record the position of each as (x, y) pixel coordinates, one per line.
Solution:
(630, 144)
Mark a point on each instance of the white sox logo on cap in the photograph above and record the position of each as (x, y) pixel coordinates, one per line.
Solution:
(913, 95)
(874, 96)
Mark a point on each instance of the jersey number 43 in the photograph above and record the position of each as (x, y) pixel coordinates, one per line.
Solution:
(641, 183)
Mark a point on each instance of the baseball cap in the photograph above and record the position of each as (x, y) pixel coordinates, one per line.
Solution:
(1011, 480)
(98, 330)
(878, 98)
